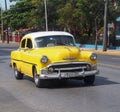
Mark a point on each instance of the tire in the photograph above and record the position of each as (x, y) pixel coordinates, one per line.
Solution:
(89, 80)
(37, 79)
(17, 74)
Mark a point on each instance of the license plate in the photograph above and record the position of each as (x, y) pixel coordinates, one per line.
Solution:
(68, 75)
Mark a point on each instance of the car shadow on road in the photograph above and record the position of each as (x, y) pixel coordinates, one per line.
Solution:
(100, 81)
(104, 81)
(59, 84)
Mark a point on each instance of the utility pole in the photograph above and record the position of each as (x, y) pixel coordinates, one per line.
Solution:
(1, 25)
(96, 34)
(7, 24)
(46, 21)
(105, 26)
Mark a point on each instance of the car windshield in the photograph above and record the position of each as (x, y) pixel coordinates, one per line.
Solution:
(49, 41)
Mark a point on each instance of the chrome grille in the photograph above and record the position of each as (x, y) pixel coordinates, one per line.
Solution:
(69, 67)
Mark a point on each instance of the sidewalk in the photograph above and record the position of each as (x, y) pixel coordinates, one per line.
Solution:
(11, 44)
(100, 51)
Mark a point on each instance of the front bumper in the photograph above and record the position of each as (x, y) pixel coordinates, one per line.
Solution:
(68, 75)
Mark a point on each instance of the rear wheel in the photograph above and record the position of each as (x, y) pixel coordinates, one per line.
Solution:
(37, 79)
(17, 74)
(89, 80)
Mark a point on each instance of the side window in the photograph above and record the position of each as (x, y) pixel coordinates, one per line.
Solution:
(23, 43)
(29, 43)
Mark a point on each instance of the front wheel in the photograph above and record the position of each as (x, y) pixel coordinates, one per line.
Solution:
(17, 74)
(37, 79)
(89, 80)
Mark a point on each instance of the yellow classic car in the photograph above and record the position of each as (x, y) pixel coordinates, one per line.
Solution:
(53, 55)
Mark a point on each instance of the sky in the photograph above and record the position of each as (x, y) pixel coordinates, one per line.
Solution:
(2, 3)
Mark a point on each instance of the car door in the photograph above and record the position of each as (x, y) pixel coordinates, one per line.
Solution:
(22, 50)
(27, 57)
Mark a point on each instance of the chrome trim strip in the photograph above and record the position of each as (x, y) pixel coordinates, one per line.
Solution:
(67, 63)
(73, 68)
(61, 76)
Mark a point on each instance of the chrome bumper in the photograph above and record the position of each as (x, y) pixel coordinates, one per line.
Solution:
(68, 75)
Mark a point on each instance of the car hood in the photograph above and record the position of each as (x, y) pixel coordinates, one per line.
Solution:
(60, 53)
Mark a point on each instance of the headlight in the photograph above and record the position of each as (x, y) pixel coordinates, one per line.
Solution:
(93, 56)
(43, 71)
(88, 67)
(50, 69)
(44, 59)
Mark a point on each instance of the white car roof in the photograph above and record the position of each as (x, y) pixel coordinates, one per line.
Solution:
(47, 33)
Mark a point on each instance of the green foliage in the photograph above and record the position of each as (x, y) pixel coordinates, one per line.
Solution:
(75, 16)
(13, 0)
(21, 15)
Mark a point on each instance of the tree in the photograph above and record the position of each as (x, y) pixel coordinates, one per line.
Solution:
(20, 14)
(75, 16)
(89, 10)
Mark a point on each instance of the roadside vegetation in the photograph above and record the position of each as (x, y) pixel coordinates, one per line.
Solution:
(79, 17)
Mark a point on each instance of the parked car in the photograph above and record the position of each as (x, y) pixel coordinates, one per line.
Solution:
(53, 55)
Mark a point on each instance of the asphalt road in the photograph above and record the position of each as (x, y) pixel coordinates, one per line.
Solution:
(23, 96)
(109, 60)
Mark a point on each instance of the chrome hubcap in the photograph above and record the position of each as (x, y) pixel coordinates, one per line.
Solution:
(36, 77)
(15, 71)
